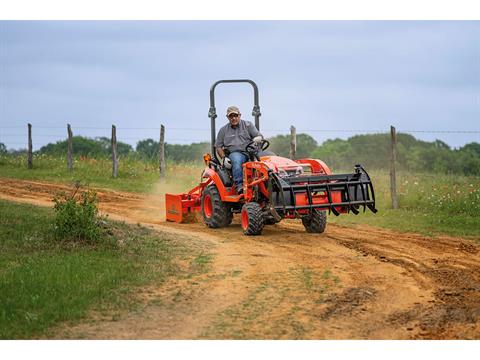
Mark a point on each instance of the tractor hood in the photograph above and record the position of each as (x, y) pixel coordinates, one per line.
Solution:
(282, 165)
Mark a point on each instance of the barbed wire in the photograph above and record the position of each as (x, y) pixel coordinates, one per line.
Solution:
(168, 139)
(279, 130)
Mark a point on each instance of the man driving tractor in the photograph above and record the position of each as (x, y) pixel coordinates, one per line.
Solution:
(273, 187)
(232, 140)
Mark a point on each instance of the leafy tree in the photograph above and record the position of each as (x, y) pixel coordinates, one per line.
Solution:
(373, 151)
(83, 146)
(280, 145)
(122, 148)
(3, 149)
(192, 152)
(441, 145)
(148, 148)
(473, 148)
(335, 153)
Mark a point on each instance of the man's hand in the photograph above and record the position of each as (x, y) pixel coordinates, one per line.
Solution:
(226, 163)
(221, 152)
(258, 139)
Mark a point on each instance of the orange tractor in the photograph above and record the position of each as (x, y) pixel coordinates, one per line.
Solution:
(274, 188)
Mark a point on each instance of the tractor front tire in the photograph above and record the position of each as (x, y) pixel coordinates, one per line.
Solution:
(215, 212)
(316, 222)
(252, 219)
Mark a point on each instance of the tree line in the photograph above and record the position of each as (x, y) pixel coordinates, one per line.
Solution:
(370, 150)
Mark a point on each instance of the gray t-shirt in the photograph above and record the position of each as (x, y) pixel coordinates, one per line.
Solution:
(236, 139)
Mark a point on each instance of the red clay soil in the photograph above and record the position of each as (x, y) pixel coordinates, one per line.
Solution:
(348, 283)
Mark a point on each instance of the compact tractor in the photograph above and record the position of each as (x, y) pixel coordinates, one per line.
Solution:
(274, 187)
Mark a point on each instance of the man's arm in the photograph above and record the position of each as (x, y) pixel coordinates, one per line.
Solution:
(220, 152)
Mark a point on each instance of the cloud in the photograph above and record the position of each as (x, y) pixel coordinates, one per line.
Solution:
(316, 74)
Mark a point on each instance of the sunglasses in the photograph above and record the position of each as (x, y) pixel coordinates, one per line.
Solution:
(231, 116)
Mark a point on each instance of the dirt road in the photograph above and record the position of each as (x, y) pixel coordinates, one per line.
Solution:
(348, 283)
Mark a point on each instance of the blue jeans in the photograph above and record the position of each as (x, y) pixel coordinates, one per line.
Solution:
(237, 159)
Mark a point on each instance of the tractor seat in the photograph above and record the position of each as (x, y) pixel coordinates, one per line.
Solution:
(226, 176)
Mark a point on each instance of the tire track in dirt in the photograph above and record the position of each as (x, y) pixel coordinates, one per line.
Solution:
(348, 283)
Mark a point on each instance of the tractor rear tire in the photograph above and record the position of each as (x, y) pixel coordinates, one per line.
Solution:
(215, 212)
(252, 219)
(316, 222)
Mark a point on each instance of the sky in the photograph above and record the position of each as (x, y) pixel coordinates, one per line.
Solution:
(327, 78)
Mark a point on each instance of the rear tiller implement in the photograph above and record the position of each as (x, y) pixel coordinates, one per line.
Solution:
(274, 188)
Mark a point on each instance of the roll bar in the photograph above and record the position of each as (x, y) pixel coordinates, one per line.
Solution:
(212, 113)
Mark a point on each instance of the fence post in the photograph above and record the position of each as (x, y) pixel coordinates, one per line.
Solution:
(293, 142)
(30, 148)
(393, 175)
(69, 148)
(114, 152)
(161, 152)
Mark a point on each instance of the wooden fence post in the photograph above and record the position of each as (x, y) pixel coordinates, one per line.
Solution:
(114, 152)
(161, 152)
(393, 175)
(293, 142)
(30, 148)
(69, 148)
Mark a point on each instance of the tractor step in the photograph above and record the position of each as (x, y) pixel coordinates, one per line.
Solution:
(233, 198)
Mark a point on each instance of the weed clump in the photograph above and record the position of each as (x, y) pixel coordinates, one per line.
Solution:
(77, 219)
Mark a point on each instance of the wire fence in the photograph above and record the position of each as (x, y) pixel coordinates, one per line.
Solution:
(16, 136)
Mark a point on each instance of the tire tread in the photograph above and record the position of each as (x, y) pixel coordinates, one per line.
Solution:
(255, 218)
(316, 222)
(221, 213)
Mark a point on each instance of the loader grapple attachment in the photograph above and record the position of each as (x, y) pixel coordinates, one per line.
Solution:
(340, 193)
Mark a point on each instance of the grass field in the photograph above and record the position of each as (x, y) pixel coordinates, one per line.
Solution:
(429, 203)
(133, 175)
(44, 282)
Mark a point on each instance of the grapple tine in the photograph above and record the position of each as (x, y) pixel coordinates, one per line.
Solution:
(339, 193)
(335, 211)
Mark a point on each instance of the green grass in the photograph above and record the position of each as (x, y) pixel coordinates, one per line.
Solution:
(43, 283)
(133, 175)
(202, 262)
(430, 204)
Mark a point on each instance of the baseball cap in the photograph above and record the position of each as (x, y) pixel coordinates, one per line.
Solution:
(233, 110)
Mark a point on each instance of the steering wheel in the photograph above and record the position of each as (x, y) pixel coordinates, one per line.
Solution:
(252, 146)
